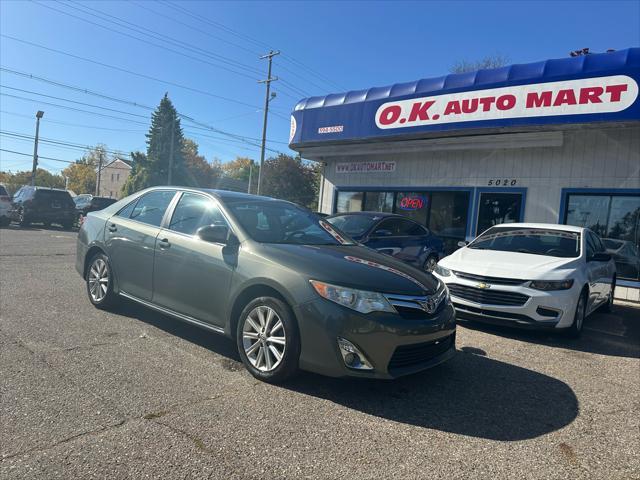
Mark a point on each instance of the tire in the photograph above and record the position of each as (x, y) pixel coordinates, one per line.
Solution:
(608, 305)
(23, 220)
(98, 275)
(260, 354)
(430, 263)
(575, 329)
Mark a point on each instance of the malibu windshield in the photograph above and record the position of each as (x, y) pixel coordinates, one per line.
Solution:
(536, 241)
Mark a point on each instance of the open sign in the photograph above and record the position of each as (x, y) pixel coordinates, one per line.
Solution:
(413, 203)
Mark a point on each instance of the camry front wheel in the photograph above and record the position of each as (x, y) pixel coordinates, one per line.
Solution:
(268, 340)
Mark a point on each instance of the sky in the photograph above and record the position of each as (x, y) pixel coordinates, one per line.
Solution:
(122, 57)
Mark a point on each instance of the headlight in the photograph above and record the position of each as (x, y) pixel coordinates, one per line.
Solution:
(358, 300)
(443, 272)
(547, 285)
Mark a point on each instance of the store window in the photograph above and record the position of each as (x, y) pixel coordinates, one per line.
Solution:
(378, 201)
(449, 215)
(413, 205)
(495, 208)
(615, 218)
(349, 202)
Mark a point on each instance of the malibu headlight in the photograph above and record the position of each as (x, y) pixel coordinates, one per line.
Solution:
(358, 300)
(442, 271)
(548, 285)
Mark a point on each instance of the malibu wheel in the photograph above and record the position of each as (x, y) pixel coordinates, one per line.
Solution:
(575, 329)
(268, 340)
(100, 282)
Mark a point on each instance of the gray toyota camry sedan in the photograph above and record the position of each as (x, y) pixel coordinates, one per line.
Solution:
(291, 290)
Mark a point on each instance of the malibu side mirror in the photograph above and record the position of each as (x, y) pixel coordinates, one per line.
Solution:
(599, 257)
(214, 234)
(462, 243)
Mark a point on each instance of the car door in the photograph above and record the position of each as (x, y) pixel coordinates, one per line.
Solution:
(606, 271)
(192, 276)
(130, 238)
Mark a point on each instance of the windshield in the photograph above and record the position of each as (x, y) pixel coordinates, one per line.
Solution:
(354, 225)
(281, 222)
(536, 241)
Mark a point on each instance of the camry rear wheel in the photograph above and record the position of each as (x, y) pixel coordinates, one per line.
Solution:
(100, 282)
(268, 341)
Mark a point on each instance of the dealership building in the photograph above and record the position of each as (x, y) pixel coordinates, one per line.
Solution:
(556, 141)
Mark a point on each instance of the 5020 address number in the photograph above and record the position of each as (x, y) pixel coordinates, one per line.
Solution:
(507, 182)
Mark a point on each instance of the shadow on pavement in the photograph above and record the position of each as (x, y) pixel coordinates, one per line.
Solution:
(470, 395)
(616, 334)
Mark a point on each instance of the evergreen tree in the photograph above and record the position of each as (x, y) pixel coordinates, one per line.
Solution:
(164, 137)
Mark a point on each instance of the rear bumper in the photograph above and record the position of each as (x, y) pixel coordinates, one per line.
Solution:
(393, 345)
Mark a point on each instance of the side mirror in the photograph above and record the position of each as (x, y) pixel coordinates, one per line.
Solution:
(600, 257)
(462, 243)
(214, 234)
(382, 233)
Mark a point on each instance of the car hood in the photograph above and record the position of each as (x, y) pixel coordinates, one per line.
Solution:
(492, 263)
(352, 266)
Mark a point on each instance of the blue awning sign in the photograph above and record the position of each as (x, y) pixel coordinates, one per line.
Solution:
(592, 88)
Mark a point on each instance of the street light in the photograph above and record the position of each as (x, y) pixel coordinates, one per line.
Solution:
(39, 115)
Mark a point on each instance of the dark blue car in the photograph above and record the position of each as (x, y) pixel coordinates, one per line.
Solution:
(394, 235)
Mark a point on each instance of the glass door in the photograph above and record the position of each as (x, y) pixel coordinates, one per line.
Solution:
(495, 208)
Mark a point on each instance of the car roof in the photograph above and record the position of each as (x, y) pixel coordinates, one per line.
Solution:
(547, 226)
(224, 195)
(370, 214)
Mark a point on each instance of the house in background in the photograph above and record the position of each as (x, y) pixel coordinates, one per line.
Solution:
(113, 177)
(115, 174)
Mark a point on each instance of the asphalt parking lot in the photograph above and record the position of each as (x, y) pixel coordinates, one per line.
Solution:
(134, 394)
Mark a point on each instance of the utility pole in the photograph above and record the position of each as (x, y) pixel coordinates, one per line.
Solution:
(268, 81)
(99, 173)
(39, 115)
(170, 174)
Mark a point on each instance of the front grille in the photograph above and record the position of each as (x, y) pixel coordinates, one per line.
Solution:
(408, 355)
(487, 296)
(491, 280)
(465, 311)
(411, 307)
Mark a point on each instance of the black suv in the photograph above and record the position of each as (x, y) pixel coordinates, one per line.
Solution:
(43, 205)
(86, 204)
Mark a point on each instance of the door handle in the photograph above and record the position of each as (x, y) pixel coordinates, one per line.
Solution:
(164, 243)
(112, 227)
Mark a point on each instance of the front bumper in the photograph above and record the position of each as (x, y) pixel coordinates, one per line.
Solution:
(541, 310)
(394, 346)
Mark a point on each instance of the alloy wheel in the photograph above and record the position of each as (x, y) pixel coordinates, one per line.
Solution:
(580, 313)
(98, 280)
(263, 338)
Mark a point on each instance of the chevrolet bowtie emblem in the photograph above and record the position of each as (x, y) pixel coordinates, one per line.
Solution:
(483, 285)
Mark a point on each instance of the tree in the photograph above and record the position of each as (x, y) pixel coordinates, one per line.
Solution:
(139, 176)
(291, 179)
(200, 172)
(82, 174)
(165, 138)
(490, 61)
(242, 168)
(44, 178)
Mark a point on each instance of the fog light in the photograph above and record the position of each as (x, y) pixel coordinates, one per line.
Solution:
(352, 357)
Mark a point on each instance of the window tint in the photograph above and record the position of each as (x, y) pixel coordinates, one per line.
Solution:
(349, 202)
(378, 202)
(591, 245)
(353, 225)
(151, 207)
(401, 227)
(126, 211)
(194, 211)
(3, 191)
(413, 205)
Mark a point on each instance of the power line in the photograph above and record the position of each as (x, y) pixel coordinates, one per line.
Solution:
(50, 158)
(111, 29)
(57, 142)
(130, 72)
(78, 125)
(259, 43)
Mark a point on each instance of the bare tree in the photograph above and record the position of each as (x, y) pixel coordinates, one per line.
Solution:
(490, 61)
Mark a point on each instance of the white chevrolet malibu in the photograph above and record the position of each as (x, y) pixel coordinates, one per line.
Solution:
(530, 275)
